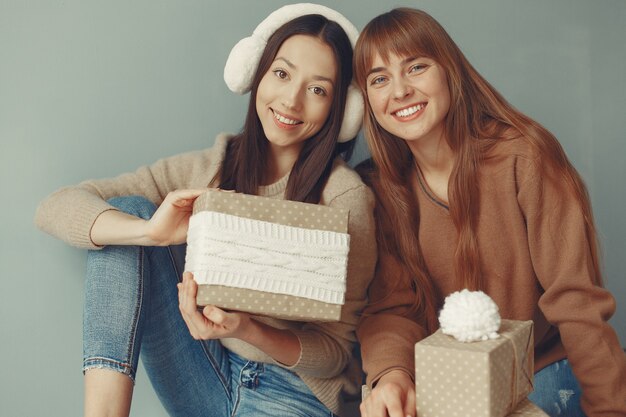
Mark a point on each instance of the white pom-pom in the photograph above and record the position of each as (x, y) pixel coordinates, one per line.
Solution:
(470, 316)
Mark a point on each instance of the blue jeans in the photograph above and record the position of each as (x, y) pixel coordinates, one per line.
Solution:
(557, 391)
(131, 307)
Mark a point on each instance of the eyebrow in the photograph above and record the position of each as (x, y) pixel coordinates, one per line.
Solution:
(315, 77)
(380, 69)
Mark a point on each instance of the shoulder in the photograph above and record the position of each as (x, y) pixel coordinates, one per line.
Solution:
(204, 161)
(218, 150)
(514, 148)
(517, 157)
(531, 170)
(344, 183)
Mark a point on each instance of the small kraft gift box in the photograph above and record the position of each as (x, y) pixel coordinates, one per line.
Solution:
(278, 258)
(482, 372)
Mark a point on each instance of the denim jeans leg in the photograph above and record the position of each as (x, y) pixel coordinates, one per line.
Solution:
(114, 296)
(557, 391)
(191, 377)
(131, 305)
(266, 390)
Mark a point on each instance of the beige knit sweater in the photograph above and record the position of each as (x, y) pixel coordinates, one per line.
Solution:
(326, 363)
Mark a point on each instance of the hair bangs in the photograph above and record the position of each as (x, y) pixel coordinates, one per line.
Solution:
(392, 33)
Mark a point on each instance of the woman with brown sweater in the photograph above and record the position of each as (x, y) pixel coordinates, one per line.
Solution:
(471, 193)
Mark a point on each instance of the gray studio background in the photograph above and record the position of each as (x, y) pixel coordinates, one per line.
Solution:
(91, 89)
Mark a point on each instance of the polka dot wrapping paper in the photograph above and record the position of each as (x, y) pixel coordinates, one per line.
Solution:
(277, 258)
(479, 379)
(524, 408)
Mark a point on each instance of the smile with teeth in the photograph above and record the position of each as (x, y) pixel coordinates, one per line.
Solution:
(285, 120)
(410, 110)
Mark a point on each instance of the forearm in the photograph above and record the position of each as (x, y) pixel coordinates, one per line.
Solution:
(114, 227)
(387, 343)
(282, 345)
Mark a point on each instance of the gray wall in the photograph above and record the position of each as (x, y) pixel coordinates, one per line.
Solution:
(91, 89)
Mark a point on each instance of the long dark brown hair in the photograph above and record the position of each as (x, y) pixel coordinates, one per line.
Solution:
(478, 117)
(245, 167)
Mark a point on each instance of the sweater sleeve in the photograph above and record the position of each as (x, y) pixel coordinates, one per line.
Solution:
(389, 329)
(70, 212)
(572, 301)
(326, 348)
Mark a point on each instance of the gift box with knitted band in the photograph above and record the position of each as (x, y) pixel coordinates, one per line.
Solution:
(279, 258)
(476, 363)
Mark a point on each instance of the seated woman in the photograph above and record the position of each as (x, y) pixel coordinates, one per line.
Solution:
(301, 119)
(471, 193)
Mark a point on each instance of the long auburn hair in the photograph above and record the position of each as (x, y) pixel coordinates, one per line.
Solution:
(478, 117)
(245, 166)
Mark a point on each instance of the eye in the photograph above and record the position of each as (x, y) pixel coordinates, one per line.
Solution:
(378, 80)
(417, 68)
(280, 73)
(318, 91)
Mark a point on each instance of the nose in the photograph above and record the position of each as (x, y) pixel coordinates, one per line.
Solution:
(401, 89)
(292, 97)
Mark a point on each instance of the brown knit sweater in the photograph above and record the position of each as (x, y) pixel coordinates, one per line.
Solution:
(535, 261)
(326, 363)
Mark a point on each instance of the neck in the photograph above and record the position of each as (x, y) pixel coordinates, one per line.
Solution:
(434, 156)
(435, 160)
(280, 162)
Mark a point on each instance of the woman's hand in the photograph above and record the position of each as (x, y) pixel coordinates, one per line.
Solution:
(213, 322)
(393, 396)
(169, 224)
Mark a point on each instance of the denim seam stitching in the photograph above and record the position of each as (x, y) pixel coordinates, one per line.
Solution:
(140, 289)
(211, 359)
(237, 401)
(173, 262)
(218, 370)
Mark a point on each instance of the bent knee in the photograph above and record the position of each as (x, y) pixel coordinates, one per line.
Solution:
(136, 205)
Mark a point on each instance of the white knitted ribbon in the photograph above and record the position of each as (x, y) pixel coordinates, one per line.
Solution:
(233, 251)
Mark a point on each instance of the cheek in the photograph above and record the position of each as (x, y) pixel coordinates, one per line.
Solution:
(376, 103)
(320, 111)
(265, 86)
(444, 99)
(442, 91)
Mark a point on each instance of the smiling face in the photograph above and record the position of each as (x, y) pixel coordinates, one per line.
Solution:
(295, 95)
(409, 97)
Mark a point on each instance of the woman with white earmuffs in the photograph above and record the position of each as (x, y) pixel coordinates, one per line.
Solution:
(300, 127)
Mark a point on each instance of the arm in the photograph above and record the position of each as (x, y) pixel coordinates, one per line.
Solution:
(71, 212)
(388, 331)
(168, 225)
(572, 300)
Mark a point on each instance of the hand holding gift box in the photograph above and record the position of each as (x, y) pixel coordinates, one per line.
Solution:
(490, 377)
(279, 258)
